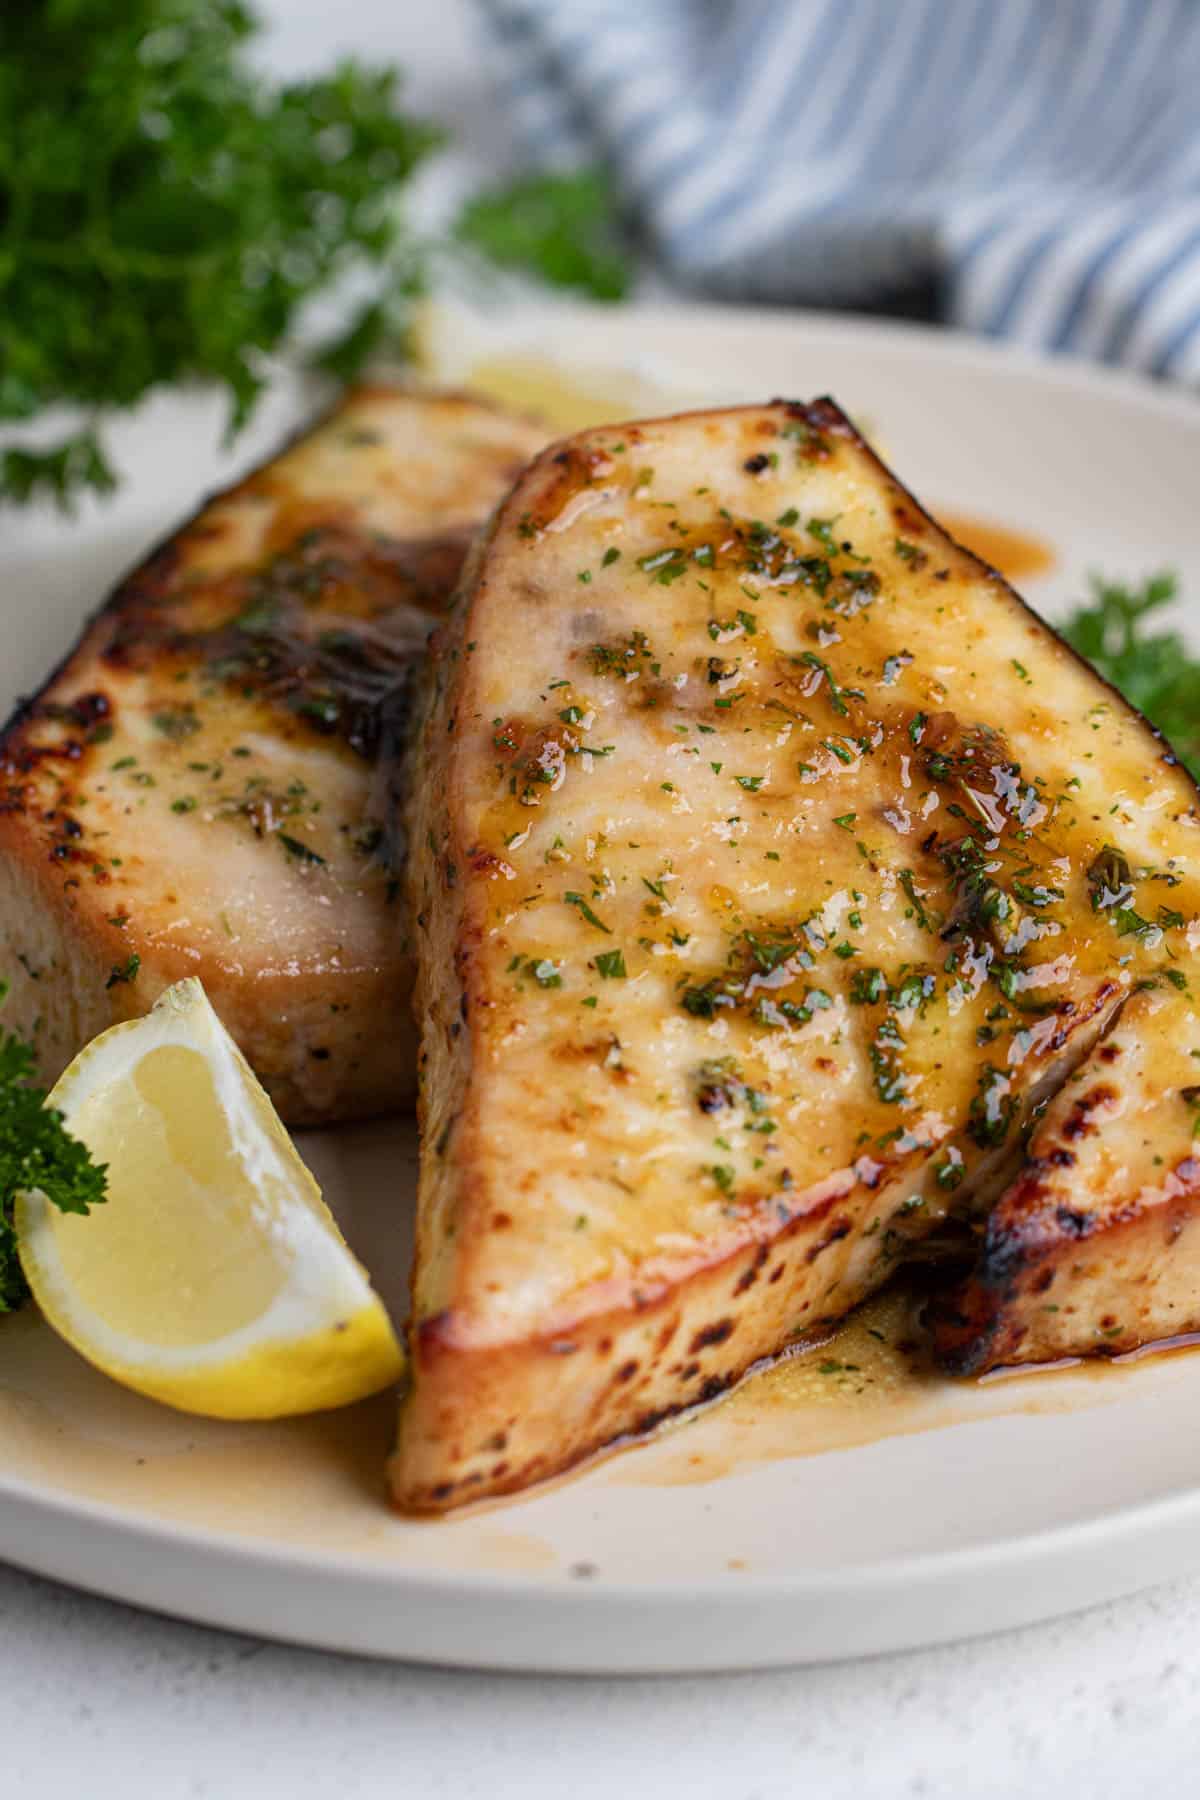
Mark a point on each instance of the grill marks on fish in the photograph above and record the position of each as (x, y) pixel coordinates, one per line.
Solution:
(198, 789)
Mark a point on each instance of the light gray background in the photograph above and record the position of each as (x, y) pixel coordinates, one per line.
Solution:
(97, 1700)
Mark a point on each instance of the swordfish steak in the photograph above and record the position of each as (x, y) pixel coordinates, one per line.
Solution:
(193, 792)
(773, 867)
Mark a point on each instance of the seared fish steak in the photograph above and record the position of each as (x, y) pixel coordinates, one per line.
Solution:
(773, 866)
(193, 791)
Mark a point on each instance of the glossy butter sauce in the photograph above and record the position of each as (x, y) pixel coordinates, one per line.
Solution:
(871, 1379)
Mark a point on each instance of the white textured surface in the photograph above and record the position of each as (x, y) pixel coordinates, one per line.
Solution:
(97, 1700)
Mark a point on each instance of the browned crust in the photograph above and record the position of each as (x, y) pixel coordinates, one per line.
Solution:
(1061, 1283)
(54, 873)
(482, 1419)
(493, 1419)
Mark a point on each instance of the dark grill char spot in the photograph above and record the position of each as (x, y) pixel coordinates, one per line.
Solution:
(1079, 1121)
(712, 1098)
(627, 1370)
(750, 1275)
(839, 1229)
(1076, 1224)
(331, 670)
(716, 1384)
(711, 1334)
(754, 465)
(88, 710)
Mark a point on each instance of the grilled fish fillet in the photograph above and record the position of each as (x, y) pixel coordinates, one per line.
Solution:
(1095, 1247)
(773, 867)
(191, 793)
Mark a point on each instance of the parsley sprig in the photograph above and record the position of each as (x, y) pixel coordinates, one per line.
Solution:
(36, 1151)
(1155, 670)
(558, 227)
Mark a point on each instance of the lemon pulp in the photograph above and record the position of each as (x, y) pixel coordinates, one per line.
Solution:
(213, 1277)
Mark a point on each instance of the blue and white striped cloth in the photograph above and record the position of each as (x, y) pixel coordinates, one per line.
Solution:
(1033, 164)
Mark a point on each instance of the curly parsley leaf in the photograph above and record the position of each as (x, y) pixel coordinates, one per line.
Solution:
(36, 1151)
(167, 209)
(60, 474)
(1155, 670)
(560, 228)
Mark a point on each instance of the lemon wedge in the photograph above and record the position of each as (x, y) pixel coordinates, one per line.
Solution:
(213, 1278)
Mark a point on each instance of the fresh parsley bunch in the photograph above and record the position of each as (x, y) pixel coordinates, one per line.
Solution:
(164, 210)
(36, 1151)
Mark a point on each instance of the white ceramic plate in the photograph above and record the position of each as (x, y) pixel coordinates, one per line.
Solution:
(727, 1543)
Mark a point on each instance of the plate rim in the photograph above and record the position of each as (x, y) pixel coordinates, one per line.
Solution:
(1068, 368)
(677, 1625)
(182, 1555)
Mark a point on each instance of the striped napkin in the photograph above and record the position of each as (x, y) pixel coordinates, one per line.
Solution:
(1028, 168)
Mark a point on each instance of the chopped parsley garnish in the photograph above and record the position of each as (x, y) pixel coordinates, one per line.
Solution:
(992, 1108)
(868, 987)
(301, 851)
(579, 901)
(702, 1002)
(123, 972)
(611, 965)
(908, 883)
(666, 565)
(837, 694)
(176, 723)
